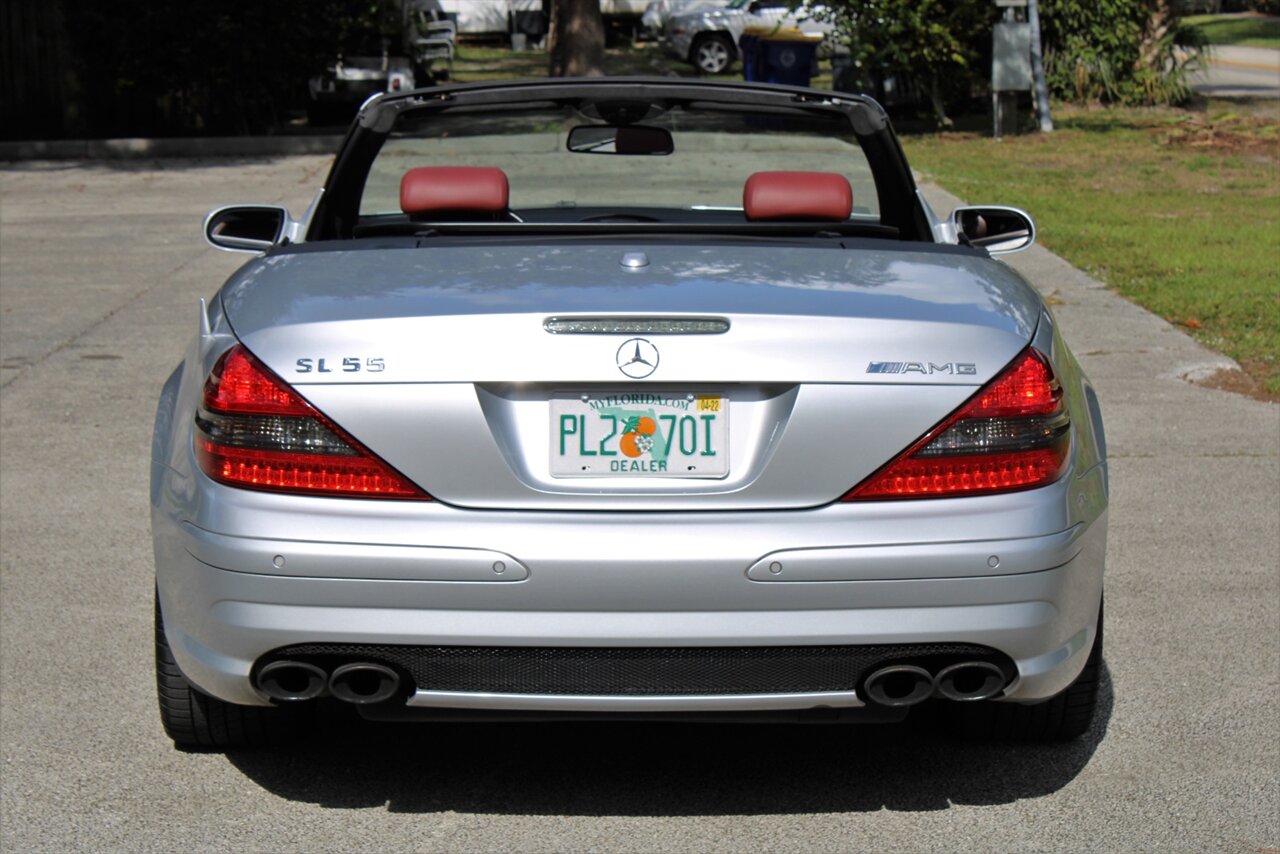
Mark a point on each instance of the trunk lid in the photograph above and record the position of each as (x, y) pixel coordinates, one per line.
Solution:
(438, 360)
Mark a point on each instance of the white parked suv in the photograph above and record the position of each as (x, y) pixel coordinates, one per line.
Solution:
(707, 36)
(658, 11)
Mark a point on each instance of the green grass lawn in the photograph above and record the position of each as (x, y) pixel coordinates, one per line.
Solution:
(1179, 211)
(473, 63)
(1243, 30)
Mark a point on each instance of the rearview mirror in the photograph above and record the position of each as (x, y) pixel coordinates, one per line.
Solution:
(246, 228)
(1000, 230)
(629, 139)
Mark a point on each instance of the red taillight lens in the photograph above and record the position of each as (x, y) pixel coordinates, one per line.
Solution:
(255, 432)
(1013, 434)
(1027, 388)
(240, 384)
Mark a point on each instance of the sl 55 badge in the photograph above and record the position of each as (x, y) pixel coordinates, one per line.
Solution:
(347, 365)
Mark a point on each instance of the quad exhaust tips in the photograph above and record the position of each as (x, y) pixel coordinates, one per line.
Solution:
(359, 682)
(364, 682)
(291, 681)
(906, 684)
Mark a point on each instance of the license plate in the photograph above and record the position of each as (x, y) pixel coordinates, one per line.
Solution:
(640, 434)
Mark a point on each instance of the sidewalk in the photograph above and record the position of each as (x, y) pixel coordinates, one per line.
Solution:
(219, 146)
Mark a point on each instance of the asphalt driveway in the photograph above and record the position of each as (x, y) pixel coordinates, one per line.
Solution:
(101, 267)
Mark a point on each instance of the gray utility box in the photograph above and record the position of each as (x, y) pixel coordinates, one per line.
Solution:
(1011, 57)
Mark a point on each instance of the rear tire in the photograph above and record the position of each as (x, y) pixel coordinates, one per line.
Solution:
(196, 720)
(1066, 716)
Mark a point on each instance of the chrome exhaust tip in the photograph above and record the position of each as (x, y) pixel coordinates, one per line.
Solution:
(364, 682)
(969, 681)
(291, 681)
(899, 685)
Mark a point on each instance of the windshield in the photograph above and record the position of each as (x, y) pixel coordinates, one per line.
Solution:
(713, 149)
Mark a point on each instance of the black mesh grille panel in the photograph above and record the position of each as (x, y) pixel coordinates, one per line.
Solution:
(628, 671)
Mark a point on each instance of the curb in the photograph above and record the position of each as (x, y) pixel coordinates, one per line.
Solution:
(111, 149)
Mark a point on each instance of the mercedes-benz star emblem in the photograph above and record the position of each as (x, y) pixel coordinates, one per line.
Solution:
(637, 358)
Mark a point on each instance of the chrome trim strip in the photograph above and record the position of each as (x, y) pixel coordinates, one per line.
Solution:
(613, 703)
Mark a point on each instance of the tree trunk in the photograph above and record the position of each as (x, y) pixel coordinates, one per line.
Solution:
(939, 107)
(576, 39)
(1161, 21)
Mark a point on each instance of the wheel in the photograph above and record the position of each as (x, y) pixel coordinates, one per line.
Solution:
(712, 54)
(1060, 718)
(196, 720)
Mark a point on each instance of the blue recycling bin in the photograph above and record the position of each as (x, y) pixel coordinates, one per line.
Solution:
(749, 48)
(783, 56)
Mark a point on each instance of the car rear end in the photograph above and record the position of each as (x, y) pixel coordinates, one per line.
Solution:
(859, 511)
(555, 472)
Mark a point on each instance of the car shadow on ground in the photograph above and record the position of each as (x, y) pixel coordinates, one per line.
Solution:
(661, 769)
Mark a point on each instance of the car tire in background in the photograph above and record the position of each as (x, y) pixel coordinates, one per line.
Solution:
(712, 53)
(196, 720)
(1060, 718)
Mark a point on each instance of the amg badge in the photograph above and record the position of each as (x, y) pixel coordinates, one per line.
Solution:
(964, 369)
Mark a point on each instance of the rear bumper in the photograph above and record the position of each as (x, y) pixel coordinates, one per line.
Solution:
(629, 580)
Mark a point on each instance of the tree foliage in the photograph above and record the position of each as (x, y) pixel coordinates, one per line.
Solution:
(937, 45)
(1124, 51)
(1118, 51)
(925, 36)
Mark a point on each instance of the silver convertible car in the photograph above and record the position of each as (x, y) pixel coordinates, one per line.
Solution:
(626, 398)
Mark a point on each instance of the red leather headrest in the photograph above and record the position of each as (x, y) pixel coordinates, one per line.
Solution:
(454, 190)
(797, 195)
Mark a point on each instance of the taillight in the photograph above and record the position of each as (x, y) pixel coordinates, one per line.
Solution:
(1013, 434)
(255, 432)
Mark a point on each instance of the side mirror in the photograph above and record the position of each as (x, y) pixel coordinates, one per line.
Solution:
(246, 228)
(999, 230)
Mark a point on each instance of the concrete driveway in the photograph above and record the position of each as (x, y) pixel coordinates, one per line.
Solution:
(101, 266)
(1239, 72)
